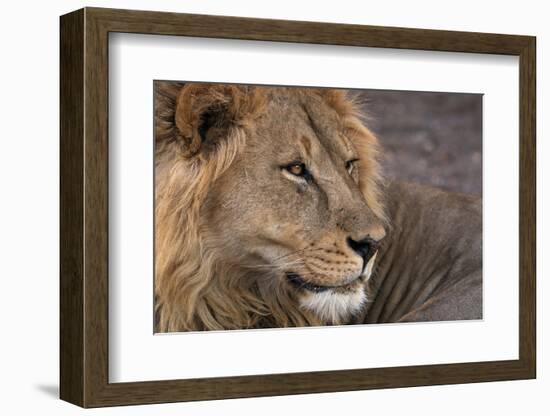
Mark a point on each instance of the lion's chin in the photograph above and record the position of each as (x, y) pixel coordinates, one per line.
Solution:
(334, 307)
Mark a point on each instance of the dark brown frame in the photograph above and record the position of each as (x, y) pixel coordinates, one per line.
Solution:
(84, 207)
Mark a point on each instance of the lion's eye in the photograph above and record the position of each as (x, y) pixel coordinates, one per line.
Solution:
(297, 169)
(350, 165)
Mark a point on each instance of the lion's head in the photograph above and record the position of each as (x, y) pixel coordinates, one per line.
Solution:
(267, 207)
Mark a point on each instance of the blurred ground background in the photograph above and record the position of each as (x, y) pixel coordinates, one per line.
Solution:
(431, 138)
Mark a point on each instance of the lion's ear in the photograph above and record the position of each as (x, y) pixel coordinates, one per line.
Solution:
(206, 113)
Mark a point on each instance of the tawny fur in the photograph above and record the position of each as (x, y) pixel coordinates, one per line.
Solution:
(196, 286)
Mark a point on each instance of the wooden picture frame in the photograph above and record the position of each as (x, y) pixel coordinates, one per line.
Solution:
(84, 207)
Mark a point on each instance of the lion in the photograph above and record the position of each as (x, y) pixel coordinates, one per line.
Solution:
(271, 211)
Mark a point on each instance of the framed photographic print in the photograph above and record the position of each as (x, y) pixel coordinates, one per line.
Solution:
(256, 207)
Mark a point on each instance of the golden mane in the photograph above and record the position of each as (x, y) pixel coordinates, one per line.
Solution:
(189, 293)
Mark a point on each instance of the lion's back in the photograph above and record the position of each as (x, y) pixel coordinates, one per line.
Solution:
(430, 266)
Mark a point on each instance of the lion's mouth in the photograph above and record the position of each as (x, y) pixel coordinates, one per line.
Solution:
(299, 282)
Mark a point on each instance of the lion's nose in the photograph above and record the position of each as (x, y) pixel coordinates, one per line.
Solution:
(365, 247)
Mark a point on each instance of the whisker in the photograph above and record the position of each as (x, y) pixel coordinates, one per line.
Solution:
(273, 265)
(297, 252)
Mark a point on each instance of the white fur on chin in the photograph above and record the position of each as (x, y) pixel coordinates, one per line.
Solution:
(334, 307)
